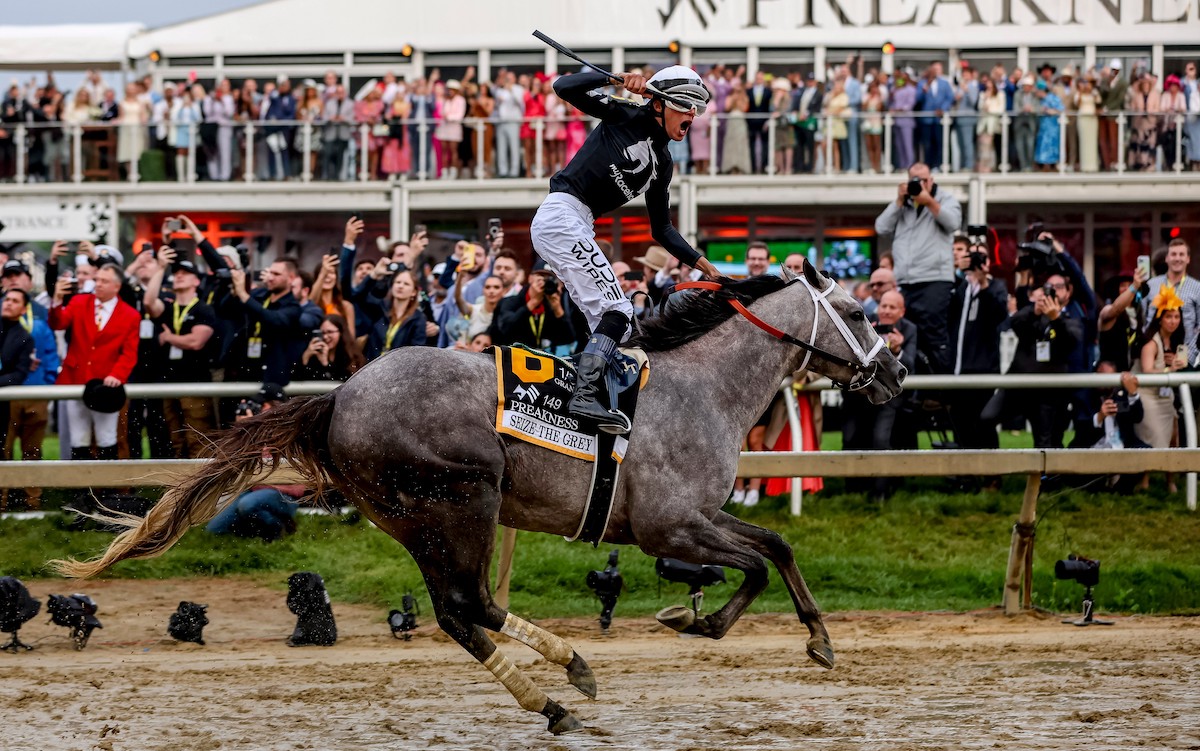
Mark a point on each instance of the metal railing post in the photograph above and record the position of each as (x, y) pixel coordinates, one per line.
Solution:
(1062, 143)
(364, 162)
(1189, 436)
(947, 166)
(134, 175)
(772, 123)
(1005, 122)
(888, 123)
(77, 153)
(828, 144)
(1178, 164)
(713, 135)
(1121, 142)
(539, 147)
(422, 148)
(306, 140)
(480, 171)
(248, 161)
(22, 152)
(191, 152)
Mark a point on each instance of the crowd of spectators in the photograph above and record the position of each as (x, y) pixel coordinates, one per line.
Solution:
(514, 125)
(159, 314)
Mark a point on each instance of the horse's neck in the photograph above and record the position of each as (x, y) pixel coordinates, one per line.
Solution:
(736, 368)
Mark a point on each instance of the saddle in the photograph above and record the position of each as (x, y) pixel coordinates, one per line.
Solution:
(533, 389)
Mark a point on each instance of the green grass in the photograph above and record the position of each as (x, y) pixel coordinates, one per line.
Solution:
(924, 549)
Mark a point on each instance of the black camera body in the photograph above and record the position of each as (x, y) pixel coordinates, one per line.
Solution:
(914, 187)
(494, 228)
(551, 287)
(395, 267)
(223, 273)
(1083, 570)
(607, 584)
(1039, 257)
(249, 407)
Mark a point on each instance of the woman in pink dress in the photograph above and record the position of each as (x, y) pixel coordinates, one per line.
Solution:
(397, 154)
(449, 131)
(535, 109)
(555, 134)
(577, 130)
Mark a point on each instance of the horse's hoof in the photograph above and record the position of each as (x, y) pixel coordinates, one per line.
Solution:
(677, 617)
(821, 651)
(565, 724)
(581, 676)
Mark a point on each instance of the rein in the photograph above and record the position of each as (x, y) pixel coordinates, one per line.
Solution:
(864, 370)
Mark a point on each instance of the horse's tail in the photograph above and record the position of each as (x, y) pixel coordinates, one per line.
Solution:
(296, 431)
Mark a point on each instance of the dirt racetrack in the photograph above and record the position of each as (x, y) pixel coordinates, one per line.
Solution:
(903, 681)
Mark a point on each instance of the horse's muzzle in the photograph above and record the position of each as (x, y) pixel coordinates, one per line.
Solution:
(887, 382)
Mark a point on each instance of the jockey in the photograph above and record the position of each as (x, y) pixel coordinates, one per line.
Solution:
(623, 157)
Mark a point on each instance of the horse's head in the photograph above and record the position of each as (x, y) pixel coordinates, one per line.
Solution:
(846, 348)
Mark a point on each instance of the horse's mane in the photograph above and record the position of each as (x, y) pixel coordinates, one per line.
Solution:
(691, 314)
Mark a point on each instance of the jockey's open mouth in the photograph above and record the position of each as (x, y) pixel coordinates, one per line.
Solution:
(683, 126)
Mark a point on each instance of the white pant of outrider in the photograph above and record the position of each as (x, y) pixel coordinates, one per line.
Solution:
(565, 237)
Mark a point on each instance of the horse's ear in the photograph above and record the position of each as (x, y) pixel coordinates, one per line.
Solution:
(788, 274)
(812, 275)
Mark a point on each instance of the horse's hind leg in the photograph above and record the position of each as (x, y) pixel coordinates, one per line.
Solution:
(776, 549)
(454, 561)
(554, 648)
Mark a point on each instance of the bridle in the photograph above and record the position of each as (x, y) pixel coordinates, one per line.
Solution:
(864, 370)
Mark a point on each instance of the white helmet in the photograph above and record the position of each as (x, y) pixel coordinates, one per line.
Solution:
(684, 84)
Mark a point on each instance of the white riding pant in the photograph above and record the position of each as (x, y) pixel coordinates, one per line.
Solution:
(84, 421)
(564, 235)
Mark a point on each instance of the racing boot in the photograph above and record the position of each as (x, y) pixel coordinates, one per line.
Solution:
(587, 402)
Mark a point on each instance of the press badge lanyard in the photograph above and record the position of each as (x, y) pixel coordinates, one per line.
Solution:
(254, 348)
(537, 323)
(27, 319)
(391, 334)
(178, 316)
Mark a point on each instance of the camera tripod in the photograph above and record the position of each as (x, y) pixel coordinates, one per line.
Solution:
(1089, 605)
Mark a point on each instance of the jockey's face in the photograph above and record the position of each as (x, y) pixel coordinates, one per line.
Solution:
(676, 123)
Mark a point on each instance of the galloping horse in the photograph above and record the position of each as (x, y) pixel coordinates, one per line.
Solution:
(441, 492)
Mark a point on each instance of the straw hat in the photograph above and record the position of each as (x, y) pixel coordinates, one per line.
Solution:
(454, 84)
(656, 258)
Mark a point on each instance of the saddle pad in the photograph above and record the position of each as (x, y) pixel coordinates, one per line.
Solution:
(533, 389)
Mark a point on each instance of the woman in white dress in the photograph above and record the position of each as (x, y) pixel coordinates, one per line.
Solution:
(131, 130)
(735, 157)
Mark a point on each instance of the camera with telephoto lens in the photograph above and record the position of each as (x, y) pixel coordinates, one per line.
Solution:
(224, 273)
(914, 187)
(1037, 254)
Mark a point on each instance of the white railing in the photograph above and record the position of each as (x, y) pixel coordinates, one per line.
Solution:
(790, 143)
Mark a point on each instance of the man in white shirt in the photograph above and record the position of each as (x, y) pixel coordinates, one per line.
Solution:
(509, 111)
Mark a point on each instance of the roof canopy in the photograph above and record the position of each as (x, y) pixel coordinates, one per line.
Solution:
(67, 46)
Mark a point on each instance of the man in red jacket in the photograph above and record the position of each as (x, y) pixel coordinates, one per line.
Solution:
(103, 333)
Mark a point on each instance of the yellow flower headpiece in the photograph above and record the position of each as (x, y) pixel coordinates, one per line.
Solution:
(1166, 299)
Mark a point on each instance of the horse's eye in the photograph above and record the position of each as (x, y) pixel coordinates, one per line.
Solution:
(857, 315)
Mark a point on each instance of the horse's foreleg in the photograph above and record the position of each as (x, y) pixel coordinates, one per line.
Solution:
(777, 550)
(704, 543)
(554, 648)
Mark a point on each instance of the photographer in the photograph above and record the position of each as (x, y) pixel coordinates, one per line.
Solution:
(978, 307)
(332, 353)
(1045, 341)
(183, 328)
(16, 350)
(273, 317)
(267, 512)
(921, 222)
(537, 318)
(1111, 416)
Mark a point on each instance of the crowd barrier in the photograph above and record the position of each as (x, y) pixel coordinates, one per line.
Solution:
(93, 145)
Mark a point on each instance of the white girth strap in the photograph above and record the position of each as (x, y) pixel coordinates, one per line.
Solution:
(821, 300)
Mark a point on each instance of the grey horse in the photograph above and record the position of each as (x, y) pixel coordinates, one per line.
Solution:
(441, 493)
